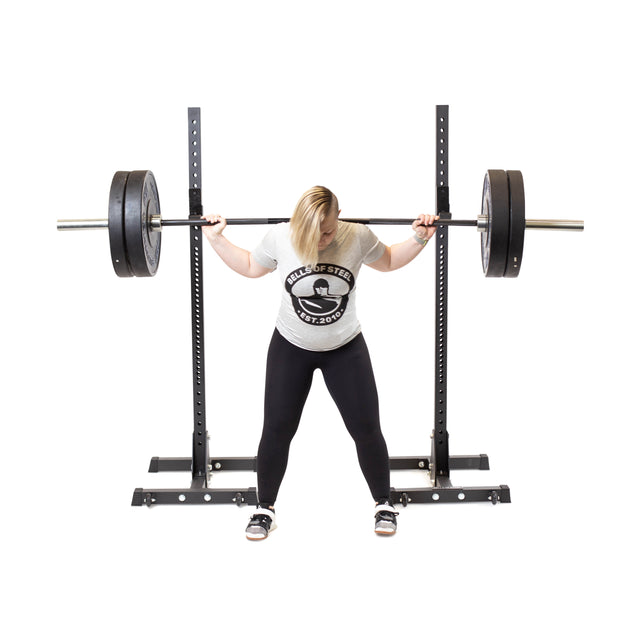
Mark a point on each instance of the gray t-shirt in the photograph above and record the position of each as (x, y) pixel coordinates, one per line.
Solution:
(318, 310)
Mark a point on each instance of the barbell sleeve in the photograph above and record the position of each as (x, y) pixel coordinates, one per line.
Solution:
(556, 225)
(82, 225)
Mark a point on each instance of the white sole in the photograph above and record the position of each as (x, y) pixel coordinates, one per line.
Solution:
(257, 538)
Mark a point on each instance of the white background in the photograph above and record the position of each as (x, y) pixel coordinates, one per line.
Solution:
(542, 369)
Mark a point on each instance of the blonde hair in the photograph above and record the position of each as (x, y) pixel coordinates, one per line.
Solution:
(312, 209)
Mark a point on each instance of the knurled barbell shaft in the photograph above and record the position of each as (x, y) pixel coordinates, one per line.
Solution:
(379, 221)
(554, 225)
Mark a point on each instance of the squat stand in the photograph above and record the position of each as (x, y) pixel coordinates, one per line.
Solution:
(438, 465)
(200, 464)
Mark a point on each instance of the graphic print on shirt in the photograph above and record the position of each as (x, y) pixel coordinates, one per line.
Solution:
(320, 295)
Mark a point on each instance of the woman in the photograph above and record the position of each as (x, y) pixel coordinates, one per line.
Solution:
(319, 257)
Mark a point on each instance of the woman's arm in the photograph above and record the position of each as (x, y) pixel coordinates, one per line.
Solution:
(401, 254)
(240, 260)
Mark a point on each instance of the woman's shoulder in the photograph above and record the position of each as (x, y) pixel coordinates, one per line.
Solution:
(348, 228)
(278, 230)
(354, 230)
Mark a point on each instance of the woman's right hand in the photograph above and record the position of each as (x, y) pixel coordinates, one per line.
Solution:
(215, 229)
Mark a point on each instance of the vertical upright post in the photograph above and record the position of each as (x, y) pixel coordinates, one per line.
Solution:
(439, 461)
(200, 464)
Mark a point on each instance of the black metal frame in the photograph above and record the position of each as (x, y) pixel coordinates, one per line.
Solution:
(438, 465)
(200, 464)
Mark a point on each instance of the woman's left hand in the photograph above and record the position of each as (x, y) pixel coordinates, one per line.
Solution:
(422, 225)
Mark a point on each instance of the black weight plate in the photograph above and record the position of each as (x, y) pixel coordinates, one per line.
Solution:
(141, 201)
(495, 237)
(516, 225)
(117, 241)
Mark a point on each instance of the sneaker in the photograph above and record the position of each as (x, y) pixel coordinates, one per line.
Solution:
(386, 524)
(262, 522)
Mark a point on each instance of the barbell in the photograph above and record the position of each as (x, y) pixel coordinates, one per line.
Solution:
(135, 223)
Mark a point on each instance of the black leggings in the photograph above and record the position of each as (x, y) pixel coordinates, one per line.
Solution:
(349, 378)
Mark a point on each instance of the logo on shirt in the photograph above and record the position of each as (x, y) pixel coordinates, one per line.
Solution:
(320, 295)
